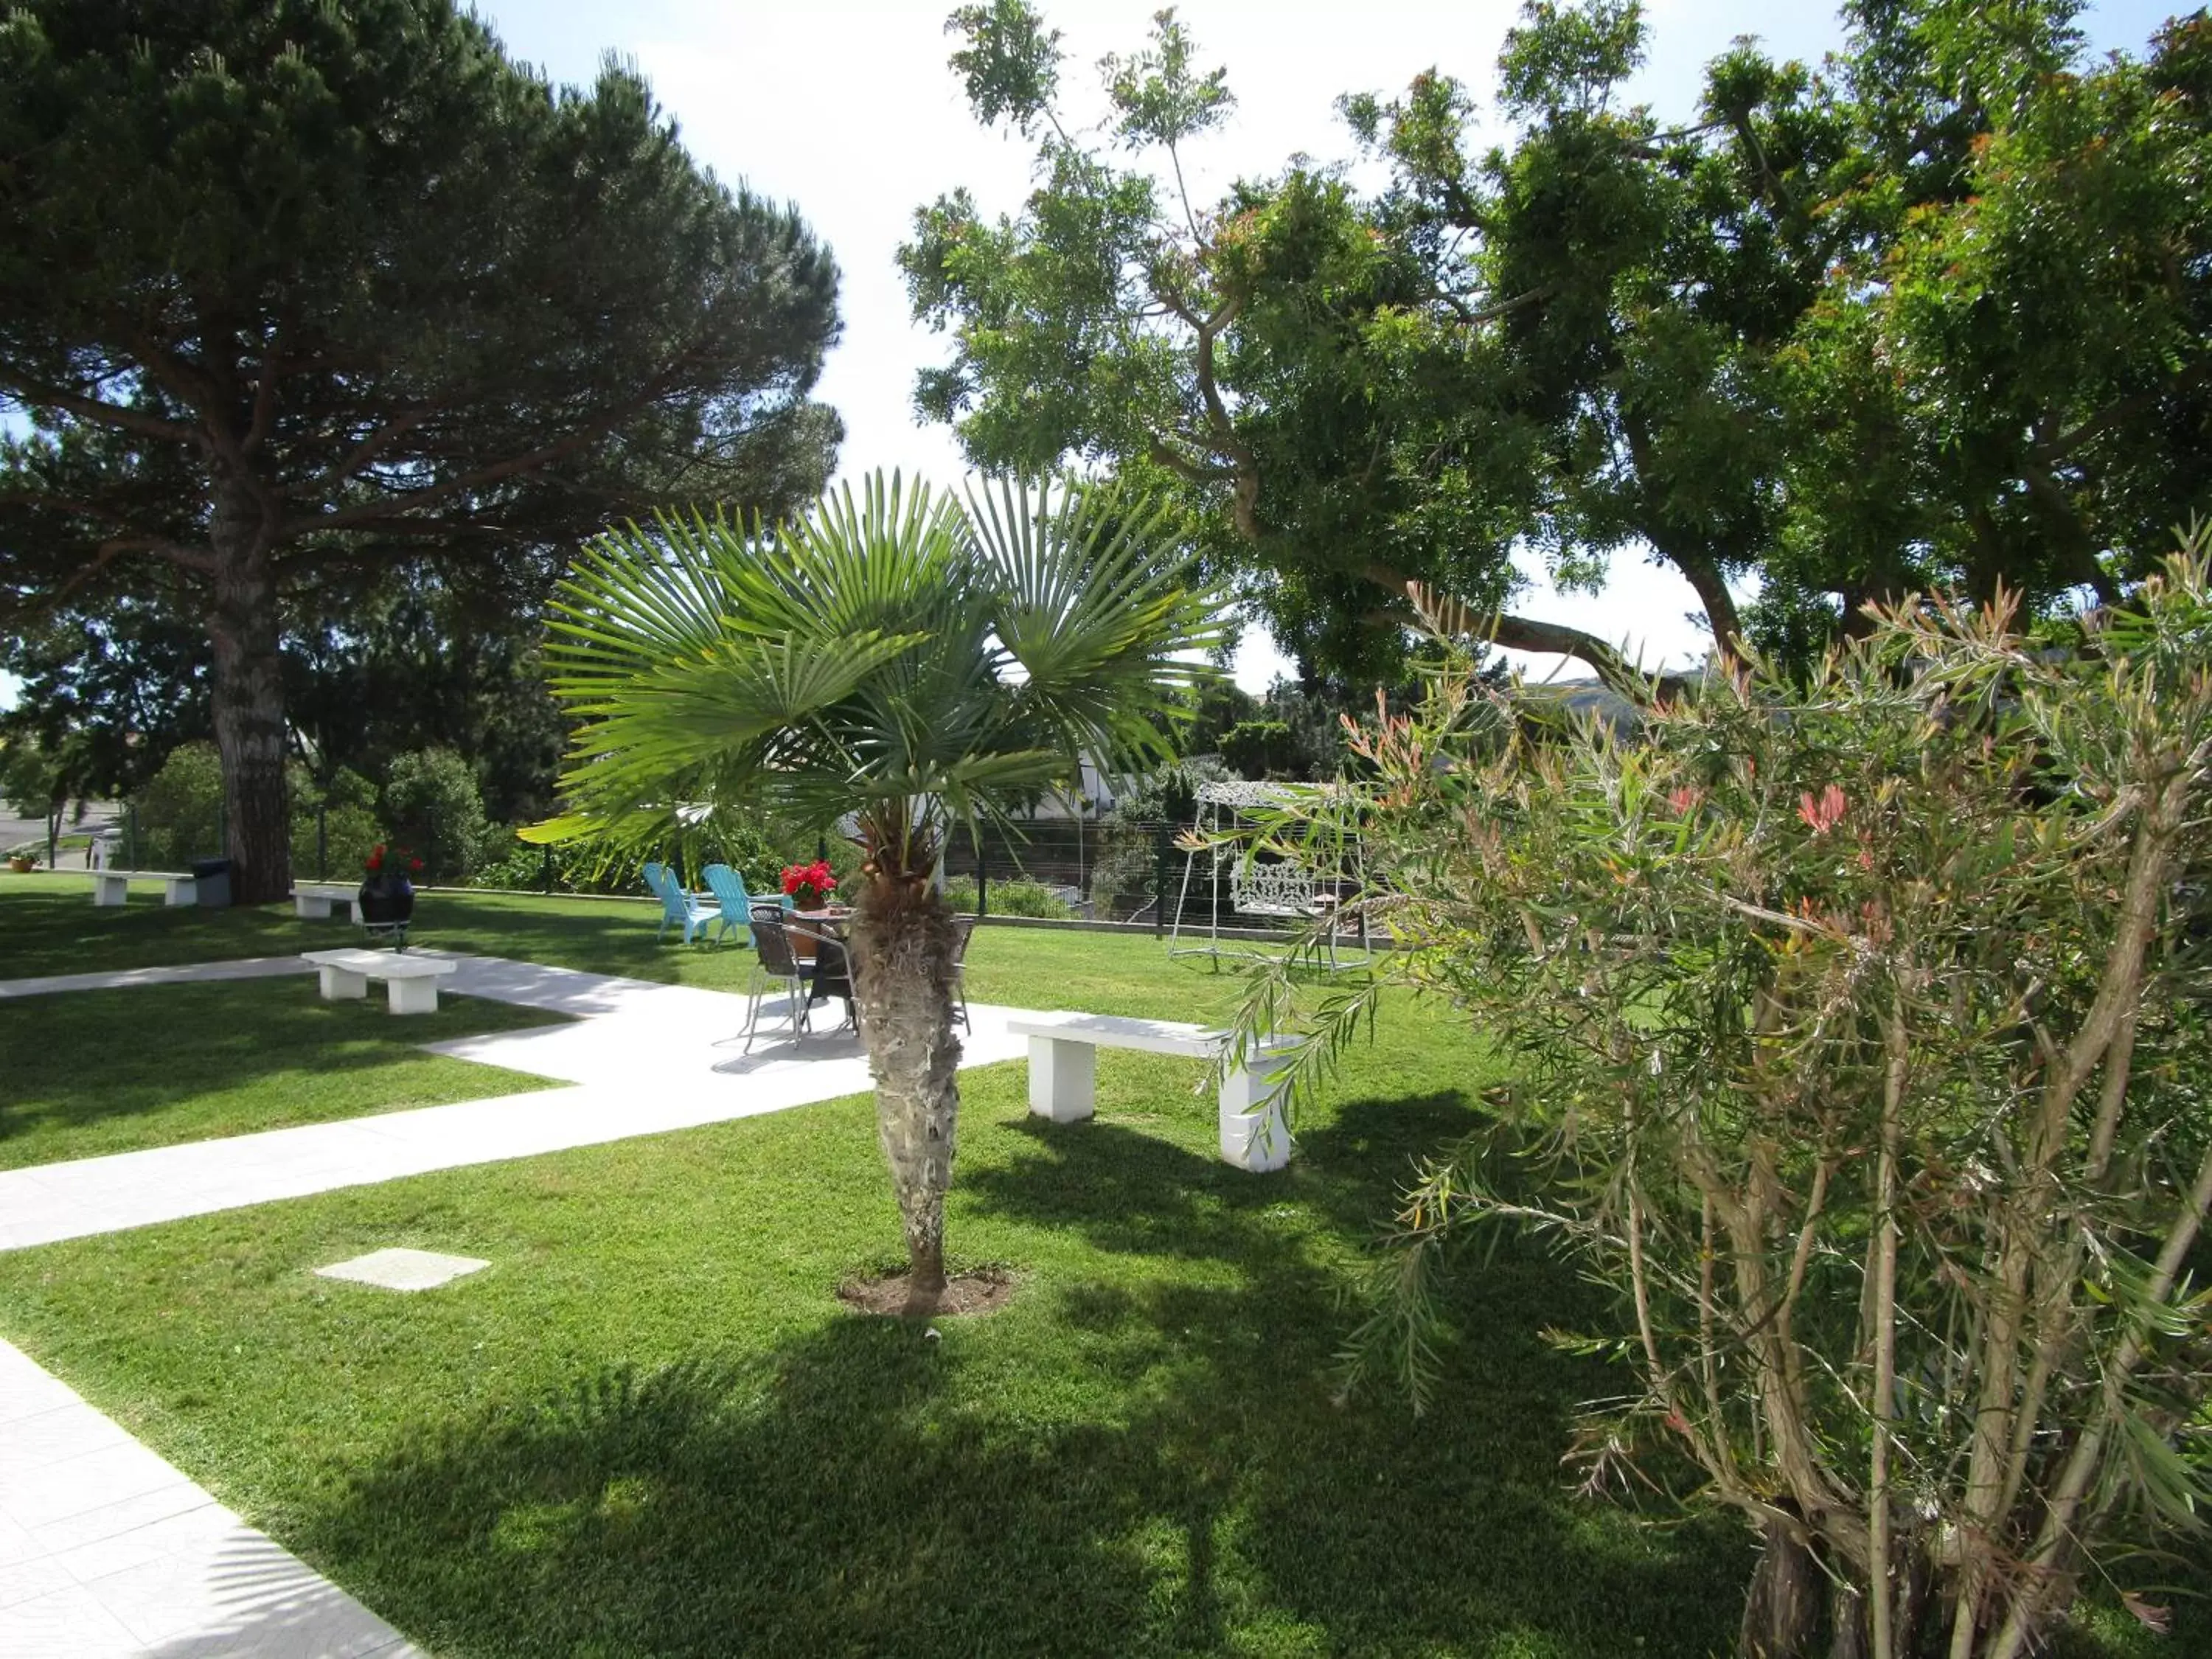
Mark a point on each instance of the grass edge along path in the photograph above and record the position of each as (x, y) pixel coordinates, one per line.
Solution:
(92, 1073)
(48, 925)
(650, 1427)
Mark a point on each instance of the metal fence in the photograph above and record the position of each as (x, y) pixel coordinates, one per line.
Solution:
(1081, 868)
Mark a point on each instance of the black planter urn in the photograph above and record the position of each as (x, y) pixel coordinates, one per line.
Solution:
(386, 900)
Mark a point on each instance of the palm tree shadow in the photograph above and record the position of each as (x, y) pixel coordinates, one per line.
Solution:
(1152, 1465)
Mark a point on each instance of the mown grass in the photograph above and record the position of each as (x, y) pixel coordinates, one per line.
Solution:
(651, 1428)
(91, 1073)
(48, 925)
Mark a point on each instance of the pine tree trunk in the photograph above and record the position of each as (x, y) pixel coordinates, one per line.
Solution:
(903, 980)
(248, 704)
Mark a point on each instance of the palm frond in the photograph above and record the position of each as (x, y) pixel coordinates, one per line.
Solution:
(886, 649)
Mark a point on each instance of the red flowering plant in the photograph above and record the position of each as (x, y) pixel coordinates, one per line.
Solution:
(809, 884)
(383, 861)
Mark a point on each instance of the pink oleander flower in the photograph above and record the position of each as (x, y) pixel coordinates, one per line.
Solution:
(1824, 814)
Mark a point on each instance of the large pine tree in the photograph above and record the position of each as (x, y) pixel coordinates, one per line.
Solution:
(289, 287)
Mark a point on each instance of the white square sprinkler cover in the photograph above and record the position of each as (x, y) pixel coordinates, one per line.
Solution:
(402, 1270)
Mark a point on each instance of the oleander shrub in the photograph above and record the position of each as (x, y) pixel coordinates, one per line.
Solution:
(1861, 1036)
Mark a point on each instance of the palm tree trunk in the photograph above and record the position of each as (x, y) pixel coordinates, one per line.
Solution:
(903, 980)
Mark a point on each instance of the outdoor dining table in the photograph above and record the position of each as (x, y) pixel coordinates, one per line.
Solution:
(833, 973)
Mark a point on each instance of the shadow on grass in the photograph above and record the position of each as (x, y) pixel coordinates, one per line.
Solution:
(1146, 1464)
(225, 1057)
(55, 928)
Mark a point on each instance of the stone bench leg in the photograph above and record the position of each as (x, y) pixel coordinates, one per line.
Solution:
(1063, 1080)
(108, 891)
(339, 986)
(180, 892)
(1254, 1134)
(413, 996)
(308, 906)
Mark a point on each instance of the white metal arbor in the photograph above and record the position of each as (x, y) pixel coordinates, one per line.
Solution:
(1264, 893)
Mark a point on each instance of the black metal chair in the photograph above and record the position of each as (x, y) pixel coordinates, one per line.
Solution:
(833, 971)
(776, 961)
(963, 929)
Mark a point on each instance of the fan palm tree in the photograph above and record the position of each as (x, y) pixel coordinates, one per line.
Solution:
(896, 662)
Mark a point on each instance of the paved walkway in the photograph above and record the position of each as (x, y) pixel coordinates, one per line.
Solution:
(190, 972)
(644, 1057)
(106, 1550)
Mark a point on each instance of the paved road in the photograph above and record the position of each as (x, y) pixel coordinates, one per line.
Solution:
(15, 830)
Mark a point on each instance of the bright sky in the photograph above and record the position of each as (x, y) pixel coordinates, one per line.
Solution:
(847, 107)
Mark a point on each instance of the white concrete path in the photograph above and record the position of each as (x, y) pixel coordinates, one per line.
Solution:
(106, 1550)
(644, 1058)
(185, 973)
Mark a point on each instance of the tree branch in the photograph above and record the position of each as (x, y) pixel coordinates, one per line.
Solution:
(1452, 617)
(362, 453)
(40, 395)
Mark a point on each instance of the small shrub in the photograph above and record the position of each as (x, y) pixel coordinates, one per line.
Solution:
(333, 826)
(178, 814)
(1008, 898)
(1860, 1029)
(1028, 898)
(431, 802)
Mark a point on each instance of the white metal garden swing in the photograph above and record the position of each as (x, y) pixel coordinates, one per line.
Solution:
(1269, 894)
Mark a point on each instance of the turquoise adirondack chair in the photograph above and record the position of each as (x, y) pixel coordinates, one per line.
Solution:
(676, 906)
(734, 905)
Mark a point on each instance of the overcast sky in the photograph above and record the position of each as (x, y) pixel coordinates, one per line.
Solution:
(847, 108)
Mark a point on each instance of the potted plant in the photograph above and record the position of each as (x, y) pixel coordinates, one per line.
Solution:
(23, 863)
(387, 896)
(809, 884)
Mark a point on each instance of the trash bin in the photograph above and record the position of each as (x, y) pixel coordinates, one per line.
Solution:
(211, 882)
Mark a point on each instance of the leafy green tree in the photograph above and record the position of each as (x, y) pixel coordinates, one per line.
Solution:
(896, 660)
(2006, 378)
(427, 657)
(432, 806)
(1935, 318)
(178, 815)
(291, 289)
(333, 823)
(120, 685)
(37, 781)
(1859, 1030)
(1366, 392)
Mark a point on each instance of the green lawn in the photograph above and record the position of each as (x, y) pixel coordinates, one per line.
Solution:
(91, 1073)
(48, 925)
(650, 1427)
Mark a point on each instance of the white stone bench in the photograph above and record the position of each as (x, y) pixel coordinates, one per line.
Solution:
(314, 898)
(1063, 1076)
(411, 983)
(113, 887)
